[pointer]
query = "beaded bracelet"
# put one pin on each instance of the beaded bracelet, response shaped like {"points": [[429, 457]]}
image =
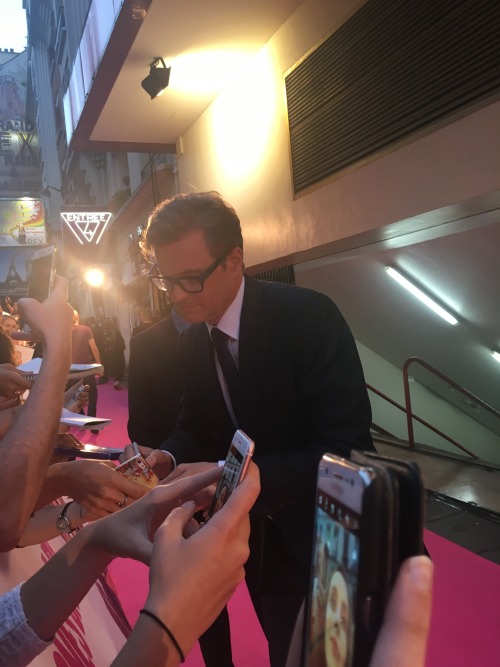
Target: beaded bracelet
{"points": [[167, 630]]}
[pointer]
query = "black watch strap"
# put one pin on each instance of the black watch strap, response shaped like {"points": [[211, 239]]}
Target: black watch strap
{"points": [[62, 522]]}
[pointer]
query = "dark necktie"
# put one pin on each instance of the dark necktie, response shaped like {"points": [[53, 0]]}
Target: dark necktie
{"points": [[228, 366]]}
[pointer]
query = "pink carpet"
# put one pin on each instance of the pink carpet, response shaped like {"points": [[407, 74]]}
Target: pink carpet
{"points": [[466, 612]]}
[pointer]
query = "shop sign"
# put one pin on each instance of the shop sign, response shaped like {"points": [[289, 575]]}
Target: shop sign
{"points": [[87, 226]]}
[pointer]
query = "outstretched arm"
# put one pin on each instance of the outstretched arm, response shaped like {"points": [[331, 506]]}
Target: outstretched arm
{"points": [[188, 593], [94, 484], [27, 447]]}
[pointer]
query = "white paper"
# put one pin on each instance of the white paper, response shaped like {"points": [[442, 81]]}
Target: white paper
{"points": [[83, 421]]}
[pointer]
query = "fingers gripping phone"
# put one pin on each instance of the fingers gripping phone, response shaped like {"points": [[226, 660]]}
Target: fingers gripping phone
{"points": [[369, 517], [72, 394], [137, 470], [235, 467], [42, 273]]}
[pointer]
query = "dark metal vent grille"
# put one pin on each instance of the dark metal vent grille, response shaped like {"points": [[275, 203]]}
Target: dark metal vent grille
{"points": [[284, 274], [395, 67]]}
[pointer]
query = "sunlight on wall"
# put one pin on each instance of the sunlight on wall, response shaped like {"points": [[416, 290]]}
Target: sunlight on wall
{"points": [[243, 118]]}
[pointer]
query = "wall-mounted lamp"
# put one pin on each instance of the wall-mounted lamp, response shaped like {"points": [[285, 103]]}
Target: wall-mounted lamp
{"points": [[430, 303], [157, 80]]}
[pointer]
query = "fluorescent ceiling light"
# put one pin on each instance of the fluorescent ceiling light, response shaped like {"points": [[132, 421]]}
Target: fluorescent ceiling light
{"points": [[496, 356], [420, 295]]}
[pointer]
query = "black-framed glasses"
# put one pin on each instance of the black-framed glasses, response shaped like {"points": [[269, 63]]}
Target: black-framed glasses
{"points": [[190, 284]]}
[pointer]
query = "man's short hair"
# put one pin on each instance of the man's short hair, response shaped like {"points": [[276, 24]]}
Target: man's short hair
{"points": [[173, 218]]}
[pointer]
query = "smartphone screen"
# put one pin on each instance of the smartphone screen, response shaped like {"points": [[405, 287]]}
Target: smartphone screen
{"points": [[334, 585], [41, 275], [235, 466], [349, 552]]}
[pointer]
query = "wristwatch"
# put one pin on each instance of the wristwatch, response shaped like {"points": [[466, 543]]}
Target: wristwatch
{"points": [[62, 522]]}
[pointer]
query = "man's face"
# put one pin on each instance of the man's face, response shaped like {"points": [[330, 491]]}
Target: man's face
{"points": [[190, 256]]}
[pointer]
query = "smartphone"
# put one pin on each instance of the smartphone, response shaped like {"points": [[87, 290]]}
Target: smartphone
{"points": [[69, 446], [235, 467], [42, 273], [71, 395], [137, 470], [357, 550]]}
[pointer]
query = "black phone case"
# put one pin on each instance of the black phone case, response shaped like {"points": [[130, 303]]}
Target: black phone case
{"points": [[391, 531], [410, 511]]}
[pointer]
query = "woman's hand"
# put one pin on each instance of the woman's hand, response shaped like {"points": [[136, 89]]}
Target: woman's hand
{"points": [[12, 384], [191, 579], [130, 532], [402, 640]]}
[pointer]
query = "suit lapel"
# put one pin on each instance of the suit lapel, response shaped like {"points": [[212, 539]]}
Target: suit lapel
{"points": [[252, 348]]}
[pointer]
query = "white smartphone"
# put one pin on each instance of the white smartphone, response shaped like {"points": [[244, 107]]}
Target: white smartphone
{"points": [[42, 273], [71, 395], [235, 467]]}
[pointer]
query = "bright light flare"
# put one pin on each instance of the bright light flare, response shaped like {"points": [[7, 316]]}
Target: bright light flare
{"points": [[243, 119], [496, 356], [421, 296], [94, 277], [205, 72]]}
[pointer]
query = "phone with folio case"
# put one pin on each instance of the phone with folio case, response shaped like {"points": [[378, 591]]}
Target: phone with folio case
{"points": [[137, 470], [369, 519]]}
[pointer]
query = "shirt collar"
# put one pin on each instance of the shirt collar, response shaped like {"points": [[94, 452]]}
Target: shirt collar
{"points": [[229, 323], [179, 323]]}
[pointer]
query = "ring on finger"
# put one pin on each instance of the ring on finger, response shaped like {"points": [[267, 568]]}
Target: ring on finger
{"points": [[123, 502]]}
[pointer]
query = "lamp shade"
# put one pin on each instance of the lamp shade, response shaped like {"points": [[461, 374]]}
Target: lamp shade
{"points": [[157, 80]]}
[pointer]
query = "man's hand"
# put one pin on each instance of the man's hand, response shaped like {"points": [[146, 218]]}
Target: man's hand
{"points": [[187, 470], [161, 462], [12, 384], [51, 320], [97, 487]]}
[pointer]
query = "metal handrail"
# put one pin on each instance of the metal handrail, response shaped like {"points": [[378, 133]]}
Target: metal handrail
{"points": [[410, 415], [450, 382]]}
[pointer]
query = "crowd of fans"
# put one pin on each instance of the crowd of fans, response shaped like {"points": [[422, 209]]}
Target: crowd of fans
{"points": [[152, 530], [193, 572]]}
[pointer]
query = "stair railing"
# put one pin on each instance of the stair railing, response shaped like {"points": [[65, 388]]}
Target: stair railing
{"points": [[406, 410], [410, 416]]}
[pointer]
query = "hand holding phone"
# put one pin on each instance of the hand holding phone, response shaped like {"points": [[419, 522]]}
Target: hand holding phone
{"points": [[235, 467], [41, 278], [71, 395], [42, 273], [137, 470], [369, 518]]}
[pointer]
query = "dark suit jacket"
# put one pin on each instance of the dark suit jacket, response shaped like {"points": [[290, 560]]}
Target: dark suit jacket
{"points": [[154, 384], [304, 394]]}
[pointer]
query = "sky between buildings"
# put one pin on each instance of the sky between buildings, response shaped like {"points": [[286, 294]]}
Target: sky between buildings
{"points": [[13, 30]]}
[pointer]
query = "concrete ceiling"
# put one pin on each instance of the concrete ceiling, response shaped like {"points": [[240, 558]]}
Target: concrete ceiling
{"points": [[205, 43]]}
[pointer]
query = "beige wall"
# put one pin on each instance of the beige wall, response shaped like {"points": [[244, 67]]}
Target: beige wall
{"points": [[240, 147]]}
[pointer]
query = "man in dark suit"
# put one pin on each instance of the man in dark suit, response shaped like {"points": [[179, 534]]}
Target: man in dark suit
{"points": [[298, 389], [154, 384]]}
